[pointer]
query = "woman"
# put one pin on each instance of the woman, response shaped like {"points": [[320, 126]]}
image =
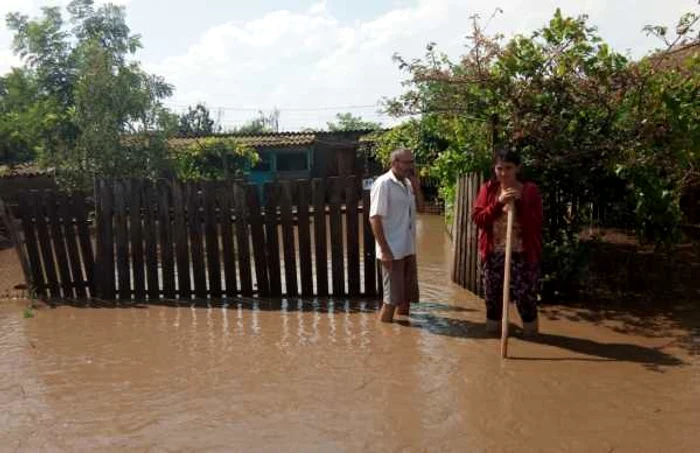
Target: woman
{"points": [[490, 215]]}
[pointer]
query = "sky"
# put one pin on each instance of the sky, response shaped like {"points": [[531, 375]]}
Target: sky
{"points": [[312, 59]]}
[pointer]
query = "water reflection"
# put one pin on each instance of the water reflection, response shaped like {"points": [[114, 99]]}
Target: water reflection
{"points": [[255, 318], [284, 315], [239, 318]]}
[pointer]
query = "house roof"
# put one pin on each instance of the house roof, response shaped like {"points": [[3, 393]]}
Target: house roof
{"points": [[27, 170], [262, 140], [675, 58], [280, 139]]}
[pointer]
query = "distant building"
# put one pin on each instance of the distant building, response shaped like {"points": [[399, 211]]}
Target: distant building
{"points": [[302, 155]]}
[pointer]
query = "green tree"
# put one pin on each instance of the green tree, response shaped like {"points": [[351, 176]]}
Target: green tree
{"points": [[213, 158], [102, 115], [197, 121], [264, 123], [20, 115], [441, 145], [594, 127], [348, 122]]}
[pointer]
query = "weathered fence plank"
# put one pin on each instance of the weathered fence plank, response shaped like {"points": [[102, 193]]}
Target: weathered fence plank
{"points": [[320, 241], [195, 224], [258, 237], [212, 240], [151, 232], [26, 213], [47, 256], [287, 220], [242, 238], [352, 223], [78, 281], [369, 249], [166, 240], [136, 236], [224, 199], [121, 241], [272, 239], [465, 236], [59, 245], [106, 232], [337, 253], [86, 252], [182, 252], [307, 281]]}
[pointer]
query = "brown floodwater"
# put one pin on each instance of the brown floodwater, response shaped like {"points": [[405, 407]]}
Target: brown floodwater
{"points": [[326, 376]]}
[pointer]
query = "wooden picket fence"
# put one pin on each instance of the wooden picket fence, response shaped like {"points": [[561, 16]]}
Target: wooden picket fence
{"points": [[54, 244], [465, 236], [174, 240]]}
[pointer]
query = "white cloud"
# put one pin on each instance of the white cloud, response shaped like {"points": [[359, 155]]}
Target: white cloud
{"points": [[311, 59], [302, 60]]}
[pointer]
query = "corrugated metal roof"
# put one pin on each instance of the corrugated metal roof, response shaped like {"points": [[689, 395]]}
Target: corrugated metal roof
{"points": [[26, 170], [283, 139], [259, 140]]}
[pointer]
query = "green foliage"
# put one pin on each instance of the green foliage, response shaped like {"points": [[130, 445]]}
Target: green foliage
{"points": [[348, 122], [592, 126], [264, 123], [416, 135], [656, 203], [197, 122], [213, 158], [662, 156], [20, 132], [444, 147], [94, 111], [565, 265], [28, 313], [29, 310]]}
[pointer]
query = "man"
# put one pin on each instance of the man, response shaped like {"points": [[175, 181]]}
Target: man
{"points": [[393, 219]]}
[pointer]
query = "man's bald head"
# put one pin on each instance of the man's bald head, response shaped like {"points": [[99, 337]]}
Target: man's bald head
{"points": [[402, 162]]}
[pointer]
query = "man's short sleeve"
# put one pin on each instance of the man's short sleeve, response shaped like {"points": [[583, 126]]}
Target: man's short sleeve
{"points": [[379, 199]]}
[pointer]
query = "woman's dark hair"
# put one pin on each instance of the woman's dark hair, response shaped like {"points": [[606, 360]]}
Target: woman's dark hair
{"points": [[507, 154]]}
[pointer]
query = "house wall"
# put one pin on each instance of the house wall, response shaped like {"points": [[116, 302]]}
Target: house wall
{"points": [[336, 159], [274, 169]]}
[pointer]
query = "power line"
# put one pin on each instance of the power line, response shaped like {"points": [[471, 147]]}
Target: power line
{"points": [[281, 109], [296, 118]]}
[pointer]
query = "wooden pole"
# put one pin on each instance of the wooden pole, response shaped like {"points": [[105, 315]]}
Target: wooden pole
{"points": [[506, 281]]}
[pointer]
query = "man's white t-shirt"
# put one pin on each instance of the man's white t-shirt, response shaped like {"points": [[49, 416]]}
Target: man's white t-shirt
{"points": [[395, 202]]}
